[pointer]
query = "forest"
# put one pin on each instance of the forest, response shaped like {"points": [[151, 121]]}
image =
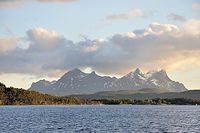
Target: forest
{"points": [[157, 101]]}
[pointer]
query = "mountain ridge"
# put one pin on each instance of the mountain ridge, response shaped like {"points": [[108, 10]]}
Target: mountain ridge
{"points": [[147, 93], [78, 82]]}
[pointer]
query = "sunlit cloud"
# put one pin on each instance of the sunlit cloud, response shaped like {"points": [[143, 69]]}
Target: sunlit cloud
{"points": [[192, 26], [196, 6], [157, 46], [7, 44]]}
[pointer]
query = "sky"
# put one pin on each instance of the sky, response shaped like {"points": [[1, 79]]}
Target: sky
{"points": [[43, 39]]}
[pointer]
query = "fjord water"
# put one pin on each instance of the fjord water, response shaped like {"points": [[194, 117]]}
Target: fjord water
{"points": [[108, 118]]}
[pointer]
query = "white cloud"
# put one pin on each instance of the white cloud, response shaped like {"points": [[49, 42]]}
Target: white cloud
{"points": [[158, 29], [16, 3], [124, 16], [157, 46], [196, 6], [130, 34], [192, 26], [42, 39]]}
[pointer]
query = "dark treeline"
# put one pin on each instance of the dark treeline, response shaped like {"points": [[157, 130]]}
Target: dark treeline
{"points": [[14, 96], [158, 101]]}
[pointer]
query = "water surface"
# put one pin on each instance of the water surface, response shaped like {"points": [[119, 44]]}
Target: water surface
{"points": [[108, 118]]}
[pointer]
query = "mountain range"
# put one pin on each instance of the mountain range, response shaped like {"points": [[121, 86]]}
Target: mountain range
{"points": [[78, 82]]}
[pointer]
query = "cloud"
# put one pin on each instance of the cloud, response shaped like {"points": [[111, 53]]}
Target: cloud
{"points": [[42, 40], [176, 17], [128, 15], [192, 26], [57, 1], [11, 3], [16, 3], [196, 6], [7, 44], [157, 46]]}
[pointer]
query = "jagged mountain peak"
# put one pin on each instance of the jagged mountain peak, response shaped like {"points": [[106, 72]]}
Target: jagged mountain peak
{"points": [[137, 74], [78, 82], [137, 71], [158, 74], [41, 85], [75, 70], [93, 73], [162, 72], [42, 81], [75, 73]]}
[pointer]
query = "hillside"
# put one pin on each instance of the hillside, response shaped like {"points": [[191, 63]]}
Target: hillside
{"points": [[14, 96], [143, 94]]}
